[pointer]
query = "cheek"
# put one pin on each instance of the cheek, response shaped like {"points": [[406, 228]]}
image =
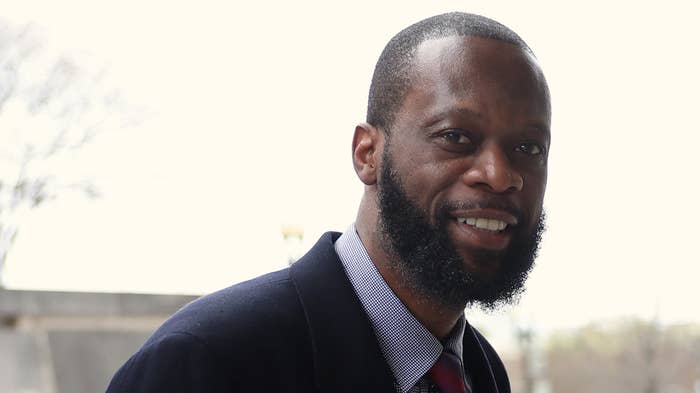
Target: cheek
{"points": [[535, 195], [535, 183], [533, 198], [435, 183], [429, 175]]}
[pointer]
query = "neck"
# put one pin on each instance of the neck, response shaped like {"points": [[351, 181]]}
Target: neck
{"points": [[437, 318]]}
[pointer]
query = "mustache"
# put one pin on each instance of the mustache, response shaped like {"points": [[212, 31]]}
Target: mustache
{"points": [[484, 203]]}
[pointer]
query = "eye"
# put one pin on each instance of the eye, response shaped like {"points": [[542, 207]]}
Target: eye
{"points": [[456, 141], [456, 137], [530, 148]]}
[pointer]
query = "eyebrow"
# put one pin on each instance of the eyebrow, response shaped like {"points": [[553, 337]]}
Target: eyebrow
{"points": [[466, 112], [541, 128], [535, 126]]}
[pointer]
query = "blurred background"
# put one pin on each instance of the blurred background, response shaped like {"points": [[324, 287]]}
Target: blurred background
{"points": [[155, 151]]}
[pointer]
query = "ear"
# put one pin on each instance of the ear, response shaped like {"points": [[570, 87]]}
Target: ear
{"points": [[367, 147]]}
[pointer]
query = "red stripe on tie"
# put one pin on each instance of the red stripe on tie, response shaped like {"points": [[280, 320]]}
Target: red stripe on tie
{"points": [[447, 373]]}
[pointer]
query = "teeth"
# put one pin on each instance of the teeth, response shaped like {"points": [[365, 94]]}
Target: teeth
{"points": [[487, 224]]}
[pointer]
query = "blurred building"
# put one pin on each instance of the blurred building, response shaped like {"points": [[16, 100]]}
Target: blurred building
{"points": [[293, 236], [67, 342]]}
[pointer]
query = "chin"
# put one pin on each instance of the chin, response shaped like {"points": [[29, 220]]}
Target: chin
{"points": [[485, 270], [484, 264]]}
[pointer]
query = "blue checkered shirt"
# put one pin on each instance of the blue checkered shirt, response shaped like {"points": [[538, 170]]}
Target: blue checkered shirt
{"points": [[408, 347]]}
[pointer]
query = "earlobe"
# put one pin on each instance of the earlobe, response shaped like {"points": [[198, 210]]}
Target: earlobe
{"points": [[366, 149]]}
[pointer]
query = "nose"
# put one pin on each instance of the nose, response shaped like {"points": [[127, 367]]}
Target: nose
{"points": [[492, 170]]}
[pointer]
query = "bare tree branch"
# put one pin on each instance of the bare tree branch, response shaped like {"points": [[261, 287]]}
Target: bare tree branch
{"points": [[49, 107]]}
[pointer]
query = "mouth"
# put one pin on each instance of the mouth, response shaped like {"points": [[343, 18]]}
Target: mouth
{"points": [[483, 229], [484, 224]]}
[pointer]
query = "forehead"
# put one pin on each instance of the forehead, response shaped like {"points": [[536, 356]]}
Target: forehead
{"points": [[481, 70]]}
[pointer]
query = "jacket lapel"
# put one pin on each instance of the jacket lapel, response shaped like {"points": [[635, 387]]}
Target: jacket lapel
{"points": [[477, 363], [347, 357]]}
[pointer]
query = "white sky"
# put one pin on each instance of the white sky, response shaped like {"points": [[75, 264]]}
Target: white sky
{"points": [[253, 112]]}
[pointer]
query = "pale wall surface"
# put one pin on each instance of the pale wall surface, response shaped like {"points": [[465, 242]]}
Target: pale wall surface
{"points": [[63, 342]]}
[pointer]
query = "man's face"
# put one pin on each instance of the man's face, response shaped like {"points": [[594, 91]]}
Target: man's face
{"points": [[464, 171]]}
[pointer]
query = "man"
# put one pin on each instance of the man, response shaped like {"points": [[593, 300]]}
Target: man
{"points": [[453, 157]]}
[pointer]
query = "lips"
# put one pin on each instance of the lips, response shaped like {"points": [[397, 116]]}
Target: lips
{"points": [[486, 224], [483, 228]]}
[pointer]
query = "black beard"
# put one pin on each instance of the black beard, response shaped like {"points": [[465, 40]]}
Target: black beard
{"points": [[426, 258]]}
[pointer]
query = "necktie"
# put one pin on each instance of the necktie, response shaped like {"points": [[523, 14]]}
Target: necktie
{"points": [[447, 373]]}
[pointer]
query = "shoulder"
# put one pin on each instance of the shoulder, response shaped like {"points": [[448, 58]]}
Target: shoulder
{"points": [[260, 308], [254, 335], [176, 362], [215, 341]]}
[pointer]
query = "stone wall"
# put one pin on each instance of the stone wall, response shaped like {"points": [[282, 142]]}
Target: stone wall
{"points": [[68, 342]]}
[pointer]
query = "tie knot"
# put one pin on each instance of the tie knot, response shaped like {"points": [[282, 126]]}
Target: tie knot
{"points": [[448, 374]]}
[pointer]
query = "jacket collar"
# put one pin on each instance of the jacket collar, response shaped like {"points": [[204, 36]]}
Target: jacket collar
{"points": [[477, 362], [347, 356]]}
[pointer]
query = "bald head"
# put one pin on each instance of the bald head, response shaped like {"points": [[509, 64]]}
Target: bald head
{"points": [[392, 74]]}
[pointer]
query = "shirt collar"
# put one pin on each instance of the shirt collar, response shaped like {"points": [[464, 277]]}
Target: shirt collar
{"points": [[408, 347]]}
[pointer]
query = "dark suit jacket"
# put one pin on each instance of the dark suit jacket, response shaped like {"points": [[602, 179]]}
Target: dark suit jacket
{"points": [[300, 329]]}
